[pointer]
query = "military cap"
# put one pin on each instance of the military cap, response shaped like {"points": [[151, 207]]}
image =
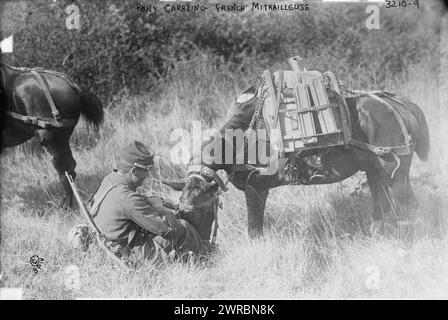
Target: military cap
{"points": [[138, 155]]}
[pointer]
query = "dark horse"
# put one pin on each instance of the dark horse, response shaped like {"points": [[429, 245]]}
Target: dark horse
{"points": [[372, 122], [47, 106]]}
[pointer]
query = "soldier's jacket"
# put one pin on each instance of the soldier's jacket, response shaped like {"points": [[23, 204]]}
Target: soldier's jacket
{"points": [[123, 211]]}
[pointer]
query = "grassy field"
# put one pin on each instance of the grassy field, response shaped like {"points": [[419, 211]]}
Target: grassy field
{"points": [[314, 244]]}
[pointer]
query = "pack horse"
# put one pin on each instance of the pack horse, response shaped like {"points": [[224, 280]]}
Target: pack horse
{"points": [[321, 133], [45, 104]]}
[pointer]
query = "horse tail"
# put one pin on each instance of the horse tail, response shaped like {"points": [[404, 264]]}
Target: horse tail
{"points": [[422, 144], [92, 108]]}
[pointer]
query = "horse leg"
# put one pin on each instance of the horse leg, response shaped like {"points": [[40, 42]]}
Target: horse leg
{"points": [[56, 143], [402, 190], [405, 198], [381, 198], [255, 202]]}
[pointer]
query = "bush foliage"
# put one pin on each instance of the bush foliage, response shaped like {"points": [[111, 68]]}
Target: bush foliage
{"points": [[119, 48]]}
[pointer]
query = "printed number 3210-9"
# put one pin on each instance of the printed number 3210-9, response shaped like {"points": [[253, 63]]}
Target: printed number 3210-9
{"points": [[403, 4]]}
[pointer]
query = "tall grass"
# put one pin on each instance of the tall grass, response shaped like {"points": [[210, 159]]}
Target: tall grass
{"points": [[314, 244]]}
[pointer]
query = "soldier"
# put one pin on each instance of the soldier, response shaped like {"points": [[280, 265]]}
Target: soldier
{"points": [[138, 227]]}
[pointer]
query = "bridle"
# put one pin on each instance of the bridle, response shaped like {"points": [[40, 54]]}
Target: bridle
{"points": [[214, 201]]}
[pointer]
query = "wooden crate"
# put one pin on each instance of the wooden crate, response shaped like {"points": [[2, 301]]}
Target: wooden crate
{"points": [[299, 113]]}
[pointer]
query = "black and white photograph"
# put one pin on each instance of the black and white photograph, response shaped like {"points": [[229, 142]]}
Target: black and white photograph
{"points": [[225, 150]]}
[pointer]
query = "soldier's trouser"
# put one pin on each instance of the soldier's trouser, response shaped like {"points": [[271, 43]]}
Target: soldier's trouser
{"points": [[185, 238], [157, 248]]}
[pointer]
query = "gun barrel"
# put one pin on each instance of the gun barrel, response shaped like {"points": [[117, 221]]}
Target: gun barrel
{"points": [[84, 210]]}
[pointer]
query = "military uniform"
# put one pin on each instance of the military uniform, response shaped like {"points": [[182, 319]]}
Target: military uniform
{"points": [[138, 227]]}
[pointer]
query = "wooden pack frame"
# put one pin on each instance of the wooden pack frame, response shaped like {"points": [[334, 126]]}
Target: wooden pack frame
{"points": [[300, 114]]}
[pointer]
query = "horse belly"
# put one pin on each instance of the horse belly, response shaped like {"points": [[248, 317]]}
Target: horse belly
{"points": [[340, 164]]}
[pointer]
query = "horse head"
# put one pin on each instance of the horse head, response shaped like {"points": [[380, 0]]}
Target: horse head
{"points": [[199, 201]]}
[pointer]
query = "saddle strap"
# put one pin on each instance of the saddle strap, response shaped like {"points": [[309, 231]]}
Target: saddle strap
{"points": [[380, 150], [42, 122], [47, 94], [404, 130]]}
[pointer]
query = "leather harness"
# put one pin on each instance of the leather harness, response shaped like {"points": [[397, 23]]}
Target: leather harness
{"points": [[403, 150], [41, 122]]}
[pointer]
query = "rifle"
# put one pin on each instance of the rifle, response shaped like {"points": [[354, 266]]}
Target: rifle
{"points": [[86, 213]]}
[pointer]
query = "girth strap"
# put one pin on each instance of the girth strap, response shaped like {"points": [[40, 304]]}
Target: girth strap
{"points": [[381, 151], [42, 122]]}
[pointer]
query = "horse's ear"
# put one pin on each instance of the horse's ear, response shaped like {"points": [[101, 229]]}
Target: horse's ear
{"points": [[247, 95], [176, 185]]}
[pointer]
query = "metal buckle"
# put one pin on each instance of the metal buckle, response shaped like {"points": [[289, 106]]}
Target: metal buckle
{"points": [[147, 168], [379, 151], [31, 120], [57, 116]]}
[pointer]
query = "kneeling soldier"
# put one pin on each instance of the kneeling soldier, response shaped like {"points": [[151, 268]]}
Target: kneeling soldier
{"points": [[138, 227]]}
